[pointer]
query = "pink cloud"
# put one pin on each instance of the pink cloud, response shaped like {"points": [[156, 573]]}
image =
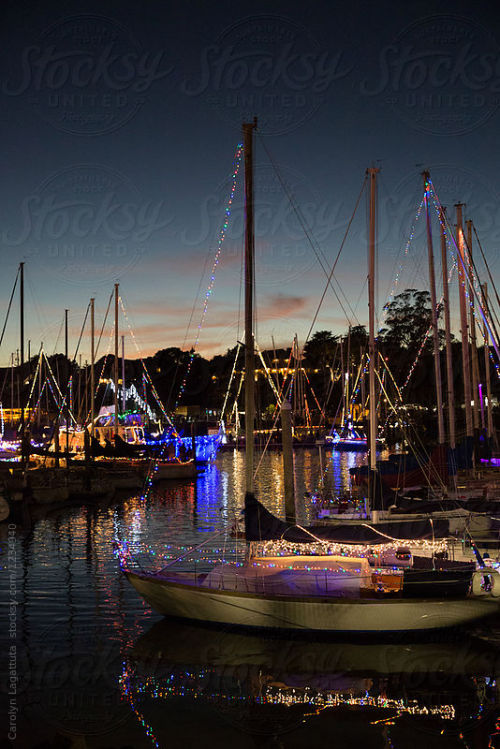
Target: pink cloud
{"points": [[282, 305]]}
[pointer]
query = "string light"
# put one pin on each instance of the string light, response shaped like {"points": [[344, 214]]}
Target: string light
{"points": [[131, 393], [146, 374], [222, 236], [266, 555], [400, 269], [125, 684], [468, 283], [204, 683]]}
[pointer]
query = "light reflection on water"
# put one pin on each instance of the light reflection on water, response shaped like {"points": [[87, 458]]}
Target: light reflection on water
{"points": [[77, 617]]}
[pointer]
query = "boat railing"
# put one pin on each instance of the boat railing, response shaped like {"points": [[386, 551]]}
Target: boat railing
{"points": [[308, 582]]}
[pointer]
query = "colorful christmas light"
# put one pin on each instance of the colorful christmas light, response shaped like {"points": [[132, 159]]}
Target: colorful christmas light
{"points": [[222, 236]]}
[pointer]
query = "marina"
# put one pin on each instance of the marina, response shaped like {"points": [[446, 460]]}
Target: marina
{"points": [[245, 548], [249, 377], [99, 664]]}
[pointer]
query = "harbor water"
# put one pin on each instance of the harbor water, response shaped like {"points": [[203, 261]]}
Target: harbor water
{"points": [[87, 663]]}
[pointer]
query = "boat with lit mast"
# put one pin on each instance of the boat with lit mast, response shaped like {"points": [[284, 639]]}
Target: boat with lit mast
{"points": [[315, 579]]}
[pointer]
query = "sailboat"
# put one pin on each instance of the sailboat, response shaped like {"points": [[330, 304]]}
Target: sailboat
{"points": [[420, 469], [348, 439], [314, 579]]}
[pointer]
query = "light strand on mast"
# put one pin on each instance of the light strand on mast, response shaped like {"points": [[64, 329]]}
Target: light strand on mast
{"points": [[222, 236]]}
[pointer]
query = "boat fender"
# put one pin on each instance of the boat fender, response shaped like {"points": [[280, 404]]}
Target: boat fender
{"points": [[486, 583], [495, 584], [477, 584]]}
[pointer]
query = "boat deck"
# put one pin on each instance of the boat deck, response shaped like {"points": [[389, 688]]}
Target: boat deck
{"points": [[355, 579]]}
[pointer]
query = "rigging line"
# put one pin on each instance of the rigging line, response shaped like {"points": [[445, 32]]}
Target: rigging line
{"points": [[283, 395], [103, 325], [36, 304], [493, 315], [271, 431], [406, 254], [406, 433], [221, 418], [488, 310], [238, 156], [128, 319], [62, 404], [196, 297], [268, 374], [486, 264], [477, 290], [58, 336], [468, 283], [8, 308], [39, 401], [309, 235], [336, 415], [427, 334], [337, 259], [193, 309], [141, 358], [70, 381], [39, 357], [354, 393], [389, 372], [323, 415], [103, 368], [396, 279], [474, 280], [491, 310], [81, 333], [332, 376], [487, 313], [361, 294]]}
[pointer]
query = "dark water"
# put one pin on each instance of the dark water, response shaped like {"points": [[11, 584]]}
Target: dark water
{"points": [[93, 666]]}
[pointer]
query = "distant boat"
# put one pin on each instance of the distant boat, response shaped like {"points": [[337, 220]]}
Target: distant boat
{"points": [[347, 439]]}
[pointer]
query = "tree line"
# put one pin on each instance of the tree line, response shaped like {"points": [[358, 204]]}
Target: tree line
{"points": [[185, 378]]}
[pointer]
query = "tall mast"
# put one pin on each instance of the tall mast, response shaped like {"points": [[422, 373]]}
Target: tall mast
{"points": [[67, 379], [40, 367], [116, 359], [248, 129], [124, 395], [372, 174], [447, 330], [348, 376], [469, 428], [66, 335], [472, 317], [21, 269], [434, 316], [12, 389], [489, 419], [92, 365], [342, 370]]}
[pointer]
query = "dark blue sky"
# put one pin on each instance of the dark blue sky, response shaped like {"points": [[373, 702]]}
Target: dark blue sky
{"points": [[119, 125]]}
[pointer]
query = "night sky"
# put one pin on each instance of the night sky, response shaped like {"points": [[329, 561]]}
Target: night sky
{"points": [[119, 126]]}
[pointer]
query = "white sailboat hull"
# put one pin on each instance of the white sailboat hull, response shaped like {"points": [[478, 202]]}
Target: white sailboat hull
{"points": [[174, 598]]}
